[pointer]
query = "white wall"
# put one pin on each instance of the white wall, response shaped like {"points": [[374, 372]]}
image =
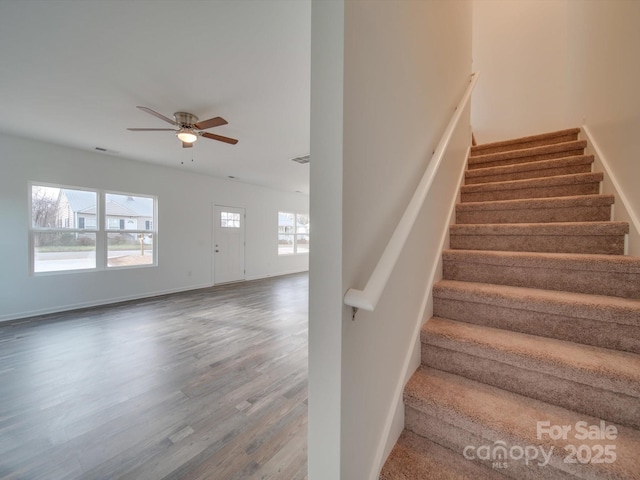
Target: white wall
{"points": [[548, 65], [605, 97], [520, 47], [376, 119], [325, 263], [184, 221]]}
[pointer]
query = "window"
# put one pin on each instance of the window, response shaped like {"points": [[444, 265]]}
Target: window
{"points": [[229, 220], [130, 239], [60, 236], [293, 233], [80, 229]]}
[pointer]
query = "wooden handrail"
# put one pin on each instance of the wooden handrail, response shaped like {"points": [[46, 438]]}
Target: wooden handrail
{"points": [[367, 299]]}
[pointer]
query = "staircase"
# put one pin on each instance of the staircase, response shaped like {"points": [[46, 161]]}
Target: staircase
{"points": [[531, 363]]}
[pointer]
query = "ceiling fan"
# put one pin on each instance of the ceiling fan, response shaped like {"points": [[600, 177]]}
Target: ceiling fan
{"points": [[188, 127]]}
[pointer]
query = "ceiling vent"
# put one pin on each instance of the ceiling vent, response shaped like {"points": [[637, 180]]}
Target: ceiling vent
{"points": [[302, 160], [105, 150]]}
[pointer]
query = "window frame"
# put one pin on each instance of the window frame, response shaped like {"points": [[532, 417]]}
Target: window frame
{"points": [[101, 230], [123, 230]]}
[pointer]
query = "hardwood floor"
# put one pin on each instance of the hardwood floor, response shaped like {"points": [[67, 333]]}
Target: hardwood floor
{"points": [[207, 384]]}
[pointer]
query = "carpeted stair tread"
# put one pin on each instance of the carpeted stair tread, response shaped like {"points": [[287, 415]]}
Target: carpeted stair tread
{"points": [[556, 186], [612, 275], [601, 321], [569, 237], [549, 138], [543, 152], [414, 457], [520, 171], [602, 308], [470, 410], [578, 208], [598, 367]]}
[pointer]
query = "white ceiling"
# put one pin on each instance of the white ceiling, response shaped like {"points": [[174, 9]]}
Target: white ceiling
{"points": [[73, 71]]}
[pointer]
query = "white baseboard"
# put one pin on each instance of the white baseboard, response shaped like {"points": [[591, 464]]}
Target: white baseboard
{"points": [[96, 303], [276, 274], [623, 210]]}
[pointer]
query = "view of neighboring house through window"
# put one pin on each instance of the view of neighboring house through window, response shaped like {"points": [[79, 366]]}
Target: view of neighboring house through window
{"points": [[77, 229], [129, 234], [293, 233]]}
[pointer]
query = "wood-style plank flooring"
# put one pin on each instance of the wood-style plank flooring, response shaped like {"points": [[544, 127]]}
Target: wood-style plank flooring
{"points": [[207, 384]]}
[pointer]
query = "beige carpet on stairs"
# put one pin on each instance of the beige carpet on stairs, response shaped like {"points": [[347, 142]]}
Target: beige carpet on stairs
{"points": [[531, 364]]}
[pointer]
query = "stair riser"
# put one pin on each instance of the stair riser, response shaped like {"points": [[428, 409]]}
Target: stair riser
{"points": [[535, 215], [594, 244], [547, 172], [617, 284], [520, 145], [477, 162], [591, 188], [519, 319], [598, 402], [439, 427]]}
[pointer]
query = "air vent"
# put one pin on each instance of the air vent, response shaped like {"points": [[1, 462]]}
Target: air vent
{"points": [[106, 150], [302, 160]]}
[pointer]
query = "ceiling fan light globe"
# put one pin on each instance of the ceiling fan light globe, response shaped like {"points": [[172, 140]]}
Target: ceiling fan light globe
{"points": [[187, 136]]}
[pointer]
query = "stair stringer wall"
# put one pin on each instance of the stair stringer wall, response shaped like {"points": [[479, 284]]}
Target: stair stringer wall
{"points": [[395, 421], [623, 211]]}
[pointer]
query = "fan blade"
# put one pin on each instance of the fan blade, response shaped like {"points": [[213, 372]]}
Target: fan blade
{"points": [[151, 129], [156, 114], [220, 138], [212, 122], [187, 145]]}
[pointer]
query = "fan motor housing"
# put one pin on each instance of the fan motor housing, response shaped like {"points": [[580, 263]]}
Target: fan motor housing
{"points": [[184, 118]]}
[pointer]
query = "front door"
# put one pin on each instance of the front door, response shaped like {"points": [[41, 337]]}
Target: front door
{"points": [[228, 244]]}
